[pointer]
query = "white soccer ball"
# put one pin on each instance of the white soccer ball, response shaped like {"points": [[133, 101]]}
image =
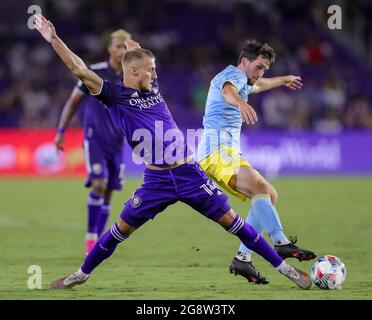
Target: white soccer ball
{"points": [[328, 272]]}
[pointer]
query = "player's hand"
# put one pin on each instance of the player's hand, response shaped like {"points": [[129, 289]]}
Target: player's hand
{"points": [[45, 27], [249, 116], [59, 141], [292, 82], [131, 44]]}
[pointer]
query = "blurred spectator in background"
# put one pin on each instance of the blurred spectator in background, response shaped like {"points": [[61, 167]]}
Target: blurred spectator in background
{"points": [[333, 105], [359, 113], [194, 49], [313, 51], [277, 107], [200, 86]]}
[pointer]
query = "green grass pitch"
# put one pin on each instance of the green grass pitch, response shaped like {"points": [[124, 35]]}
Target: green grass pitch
{"points": [[180, 254]]}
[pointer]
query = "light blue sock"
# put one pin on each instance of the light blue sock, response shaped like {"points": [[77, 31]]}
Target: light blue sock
{"points": [[245, 253], [266, 213], [263, 216]]}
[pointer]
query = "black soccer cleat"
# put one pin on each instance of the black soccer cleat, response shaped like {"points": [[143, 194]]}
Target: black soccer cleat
{"points": [[247, 270], [290, 250]]}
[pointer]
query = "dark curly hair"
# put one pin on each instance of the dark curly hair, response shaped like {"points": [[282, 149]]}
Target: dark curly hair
{"points": [[253, 48]]}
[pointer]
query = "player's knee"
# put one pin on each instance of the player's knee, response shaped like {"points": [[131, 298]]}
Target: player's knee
{"points": [[125, 228], [227, 219], [261, 187], [274, 196], [99, 187]]}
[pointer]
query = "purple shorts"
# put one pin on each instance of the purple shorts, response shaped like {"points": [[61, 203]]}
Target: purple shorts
{"points": [[101, 165], [161, 188]]}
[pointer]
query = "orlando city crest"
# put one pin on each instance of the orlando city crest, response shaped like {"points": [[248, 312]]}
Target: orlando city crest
{"points": [[135, 202]]}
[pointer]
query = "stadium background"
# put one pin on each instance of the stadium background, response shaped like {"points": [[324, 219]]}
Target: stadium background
{"points": [[323, 130]]}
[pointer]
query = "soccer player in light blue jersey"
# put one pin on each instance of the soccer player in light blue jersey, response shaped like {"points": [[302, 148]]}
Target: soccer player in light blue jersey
{"points": [[219, 152]]}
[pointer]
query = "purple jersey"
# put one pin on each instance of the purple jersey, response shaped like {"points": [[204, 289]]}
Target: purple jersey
{"points": [[145, 119], [98, 124]]}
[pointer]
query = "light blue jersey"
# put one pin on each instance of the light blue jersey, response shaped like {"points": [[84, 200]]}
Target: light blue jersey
{"points": [[222, 121]]}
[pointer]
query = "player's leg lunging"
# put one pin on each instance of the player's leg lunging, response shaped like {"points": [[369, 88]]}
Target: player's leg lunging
{"points": [[263, 215], [102, 250], [234, 224], [106, 245]]}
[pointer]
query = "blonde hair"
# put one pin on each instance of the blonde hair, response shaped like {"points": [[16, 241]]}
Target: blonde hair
{"points": [[120, 33], [136, 54]]}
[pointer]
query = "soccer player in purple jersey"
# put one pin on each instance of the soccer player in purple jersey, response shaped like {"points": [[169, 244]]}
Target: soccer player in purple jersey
{"points": [[138, 109], [103, 144]]}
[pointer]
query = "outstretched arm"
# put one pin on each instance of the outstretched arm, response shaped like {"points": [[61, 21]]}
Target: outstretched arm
{"points": [[263, 84], [91, 80]]}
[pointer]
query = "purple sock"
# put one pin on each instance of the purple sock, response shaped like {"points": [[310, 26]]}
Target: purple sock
{"points": [[94, 205], [103, 249], [254, 241], [102, 218]]}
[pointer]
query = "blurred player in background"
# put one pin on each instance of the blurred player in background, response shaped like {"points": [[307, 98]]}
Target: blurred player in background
{"points": [[219, 152], [136, 104], [103, 143]]}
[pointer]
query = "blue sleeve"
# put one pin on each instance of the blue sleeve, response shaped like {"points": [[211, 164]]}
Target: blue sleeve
{"points": [[249, 90], [108, 94], [238, 80]]}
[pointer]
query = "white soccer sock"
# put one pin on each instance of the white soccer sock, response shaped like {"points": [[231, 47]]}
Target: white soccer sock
{"points": [[284, 267], [91, 236], [82, 274], [281, 242], [244, 256]]}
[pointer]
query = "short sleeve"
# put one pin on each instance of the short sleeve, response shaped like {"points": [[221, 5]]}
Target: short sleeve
{"points": [[237, 79], [250, 88], [108, 94]]}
